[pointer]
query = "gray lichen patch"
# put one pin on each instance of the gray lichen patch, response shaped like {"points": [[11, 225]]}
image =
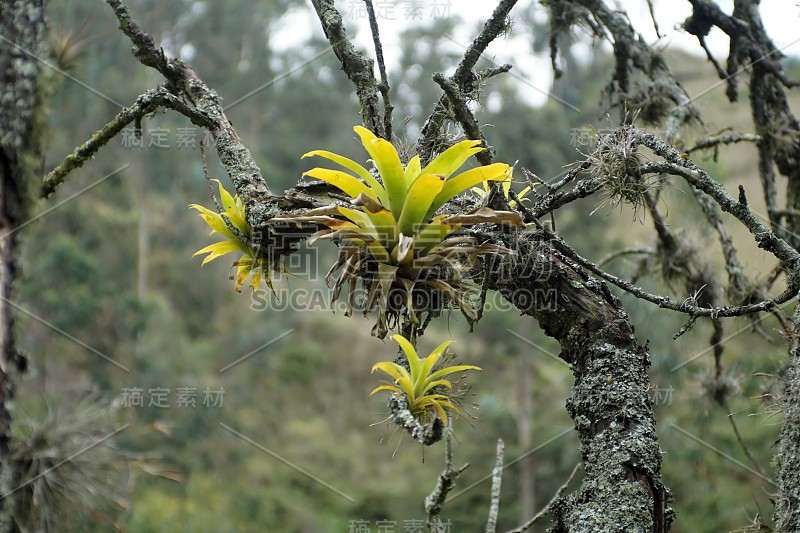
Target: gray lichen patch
{"points": [[610, 405], [787, 461]]}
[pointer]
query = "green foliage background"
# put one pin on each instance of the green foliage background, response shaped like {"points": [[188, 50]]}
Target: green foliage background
{"points": [[113, 268]]}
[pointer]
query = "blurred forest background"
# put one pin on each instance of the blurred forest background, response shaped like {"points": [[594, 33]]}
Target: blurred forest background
{"points": [[112, 270]]}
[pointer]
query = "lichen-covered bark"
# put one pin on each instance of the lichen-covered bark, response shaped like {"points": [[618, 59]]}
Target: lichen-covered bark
{"points": [[21, 23], [359, 69], [787, 461], [610, 404]]}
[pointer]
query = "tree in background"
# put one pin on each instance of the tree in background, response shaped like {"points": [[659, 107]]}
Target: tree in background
{"points": [[20, 164]]}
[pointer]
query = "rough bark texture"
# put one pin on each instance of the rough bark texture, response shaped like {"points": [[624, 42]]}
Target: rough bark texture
{"points": [[787, 461], [359, 69], [21, 22], [610, 404]]}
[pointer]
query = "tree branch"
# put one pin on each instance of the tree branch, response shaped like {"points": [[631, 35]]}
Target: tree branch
{"points": [[462, 113], [497, 480], [445, 483], [622, 490], [183, 82], [632, 51], [359, 69], [383, 86], [725, 138], [676, 165], [463, 78], [144, 105]]}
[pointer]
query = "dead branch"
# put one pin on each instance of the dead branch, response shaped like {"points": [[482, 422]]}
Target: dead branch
{"points": [[445, 483]]}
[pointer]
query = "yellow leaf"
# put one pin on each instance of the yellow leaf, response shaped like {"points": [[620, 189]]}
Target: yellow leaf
{"points": [[438, 382], [411, 353], [350, 185], [219, 249], [451, 159], [354, 167], [453, 369], [215, 221], [420, 197], [390, 388], [432, 234], [413, 169], [393, 369], [232, 210], [242, 271], [386, 160], [470, 178], [433, 357]]}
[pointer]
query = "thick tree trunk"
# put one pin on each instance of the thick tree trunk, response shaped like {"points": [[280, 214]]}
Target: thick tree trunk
{"points": [[21, 23], [610, 404], [787, 462]]}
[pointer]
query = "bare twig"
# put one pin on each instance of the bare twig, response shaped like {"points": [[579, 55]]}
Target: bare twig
{"points": [[653, 17], [144, 48], [725, 138], [491, 72], [383, 86], [737, 282], [720, 71], [571, 175], [445, 483], [551, 202], [664, 301], [742, 443], [144, 105], [686, 327], [784, 213], [623, 252], [462, 113], [497, 480], [678, 166]]}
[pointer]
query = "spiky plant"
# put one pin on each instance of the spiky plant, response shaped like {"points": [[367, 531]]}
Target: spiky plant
{"points": [[230, 222], [68, 465], [615, 162], [422, 384], [392, 240]]}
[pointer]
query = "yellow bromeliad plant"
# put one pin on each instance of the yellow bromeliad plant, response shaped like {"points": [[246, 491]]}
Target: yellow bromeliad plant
{"points": [[231, 223], [424, 389], [391, 240]]}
